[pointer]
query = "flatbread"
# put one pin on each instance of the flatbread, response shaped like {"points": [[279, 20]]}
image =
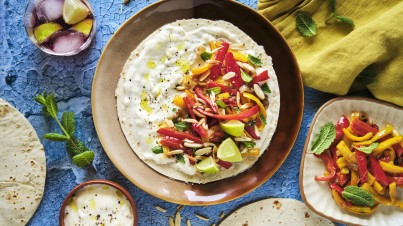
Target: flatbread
{"points": [[137, 126], [274, 211], [22, 167]]}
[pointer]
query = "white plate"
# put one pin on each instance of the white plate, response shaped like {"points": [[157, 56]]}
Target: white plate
{"points": [[317, 195]]}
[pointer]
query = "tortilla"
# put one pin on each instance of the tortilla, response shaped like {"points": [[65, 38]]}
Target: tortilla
{"points": [[274, 211], [147, 86], [22, 167]]}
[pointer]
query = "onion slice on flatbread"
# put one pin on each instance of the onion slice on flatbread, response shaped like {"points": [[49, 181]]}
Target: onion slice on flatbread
{"points": [[22, 167]]}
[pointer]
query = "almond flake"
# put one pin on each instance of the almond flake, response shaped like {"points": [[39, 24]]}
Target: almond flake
{"points": [[203, 151], [190, 120], [258, 91], [192, 145], [228, 75], [243, 139]]}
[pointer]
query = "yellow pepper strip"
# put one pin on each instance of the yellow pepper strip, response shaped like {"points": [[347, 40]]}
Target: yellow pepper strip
{"points": [[345, 151], [261, 107], [387, 144], [390, 153], [378, 187], [212, 45], [253, 152], [178, 101], [190, 94], [222, 96], [356, 138], [341, 162], [355, 178], [344, 171], [239, 56], [354, 209], [392, 192], [390, 168], [200, 70], [383, 133], [370, 178], [165, 150], [381, 199]]}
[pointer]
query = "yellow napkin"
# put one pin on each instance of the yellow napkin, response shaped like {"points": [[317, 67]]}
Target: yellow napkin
{"points": [[332, 59]]}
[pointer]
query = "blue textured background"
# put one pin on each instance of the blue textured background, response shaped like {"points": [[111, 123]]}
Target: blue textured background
{"points": [[71, 78]]}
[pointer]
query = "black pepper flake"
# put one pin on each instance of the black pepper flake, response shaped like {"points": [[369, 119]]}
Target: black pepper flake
{"points": [[98, 216]]}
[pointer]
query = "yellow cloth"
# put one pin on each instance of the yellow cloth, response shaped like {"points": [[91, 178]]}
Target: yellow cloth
{"points": [[332, 59]]}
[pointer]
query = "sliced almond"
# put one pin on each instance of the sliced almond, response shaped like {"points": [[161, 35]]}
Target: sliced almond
{"points": [[193, 145], [203, 151], [190, 120], [242, 139], [246, 106], [204, 75], [244, 88], [257, 132], [228, 75], [198, 113], [246, 66], [208, 144], [189, 141], [258, 91], [175, 152]]}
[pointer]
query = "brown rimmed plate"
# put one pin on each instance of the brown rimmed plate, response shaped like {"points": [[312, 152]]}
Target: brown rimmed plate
{"points": [[317, 195], [106, 77]]}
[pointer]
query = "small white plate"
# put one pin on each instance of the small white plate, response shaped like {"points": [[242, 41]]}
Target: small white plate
{"points": [[317, 195]]}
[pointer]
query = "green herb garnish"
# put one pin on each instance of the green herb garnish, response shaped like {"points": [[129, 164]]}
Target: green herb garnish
{"points": [[367, 149], [334, 15], [248, 144], [265, 88], [221, 104], [81, 155], [263, 119], [180, 158], [174, 109], [324, 139], [216, 90], [181, 126], [245, 77], [237, 110], [358, 196], [254, 60], [305, 24], [157, 150], [206, 56]]}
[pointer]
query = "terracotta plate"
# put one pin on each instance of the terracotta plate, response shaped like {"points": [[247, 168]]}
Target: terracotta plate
{"points": [[317, 195], [125, 40]]}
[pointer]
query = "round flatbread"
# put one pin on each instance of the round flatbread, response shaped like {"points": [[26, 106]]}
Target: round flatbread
{"points": [[148, 84], [275, 211], [22, 167]]}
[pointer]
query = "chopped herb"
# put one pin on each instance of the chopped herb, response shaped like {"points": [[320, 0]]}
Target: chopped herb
{"points": [[324, 139], [248, 144], [216, 90], [174, 109], [181, 126], [237, 110], [206, 56], [221, 104], [263, 119], [265, 88], [157, 149], [180, 158], [367, 149], [250, 123], [245, 77], [254, 60]]}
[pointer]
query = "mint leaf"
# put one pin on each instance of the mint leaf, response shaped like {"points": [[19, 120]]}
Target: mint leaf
{"points": [[157, 150], [245, 77], [248, 144], [263, 119], [68, 122], [216, 90], [181, 126], [346, 20], [75, 146], [358, 196], [55, 137], [324, 139], [221, 104], [265, 88], [83, 159], [206, 56], [305, 24], [254, 60], [367, 149]]}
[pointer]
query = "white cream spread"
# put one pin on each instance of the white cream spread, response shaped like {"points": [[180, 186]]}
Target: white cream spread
{"points": [[98, 204]]}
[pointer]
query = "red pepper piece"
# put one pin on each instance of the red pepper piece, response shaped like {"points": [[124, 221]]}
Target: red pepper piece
{"points": [[231, 65], [200, 130], [362, 165], [330, 167], [189, 102], [263, 76], [224, 164], [245, 114], [199, 93], [343, 123], [398, 180], [178, 134], [172, 143], [333, 151], [398, 149], [230, 102], [224, 88], [377, 171], [342, 178], [336, 187], [218, 136], [361, 128], [215, 69], [251, 130]]}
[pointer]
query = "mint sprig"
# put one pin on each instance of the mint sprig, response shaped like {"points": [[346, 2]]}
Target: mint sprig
{"points": [[367, 149], [335, 16], [81, 155], [324, 139], [358, 196]]}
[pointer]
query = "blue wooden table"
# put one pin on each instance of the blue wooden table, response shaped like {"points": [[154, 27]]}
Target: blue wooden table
{"points": [[25, 71]]}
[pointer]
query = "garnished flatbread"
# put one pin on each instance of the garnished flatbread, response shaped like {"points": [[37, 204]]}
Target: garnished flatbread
{"points": [[22, 167]]}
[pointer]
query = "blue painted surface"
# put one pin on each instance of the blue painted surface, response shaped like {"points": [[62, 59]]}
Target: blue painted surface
{"points": [[30, 71]]}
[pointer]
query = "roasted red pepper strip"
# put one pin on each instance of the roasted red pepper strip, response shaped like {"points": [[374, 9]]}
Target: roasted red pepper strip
{"points": [[199, 93], [362, 165], [200, 130], [230, 102], [377, 171], [172, 143], [343, 123], [361, 128], [178, 134], [398, 149], [218, 136], [336, 187], [398, 180], [333, 151], [231, 65], [224, 164], [224, 88], [215, 69], [342, 178], [251, 130], [330, 167], [245, 114], [263, 76], [189, 102]]}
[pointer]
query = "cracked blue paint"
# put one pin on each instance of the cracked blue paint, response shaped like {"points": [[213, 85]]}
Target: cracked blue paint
{"points": [[71, 78]]}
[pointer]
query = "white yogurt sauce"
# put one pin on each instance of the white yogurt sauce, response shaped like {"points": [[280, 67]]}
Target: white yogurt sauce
{"points": [[98, 205], [149, 83]]}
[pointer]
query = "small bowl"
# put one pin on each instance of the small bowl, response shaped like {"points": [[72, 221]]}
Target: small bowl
{"points": [[98, 182]]}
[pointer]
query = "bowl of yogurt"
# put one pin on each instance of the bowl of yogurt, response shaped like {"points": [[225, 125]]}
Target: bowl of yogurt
{"points": [[98, 202]]}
